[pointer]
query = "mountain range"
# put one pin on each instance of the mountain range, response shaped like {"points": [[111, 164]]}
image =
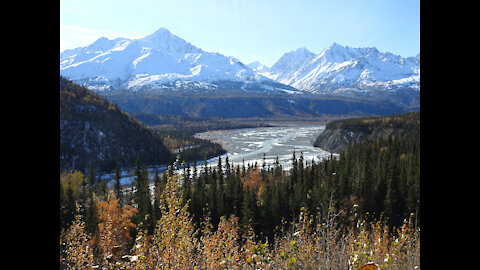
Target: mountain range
{"points": [[338, 69], [126, 71], [162, 62]]}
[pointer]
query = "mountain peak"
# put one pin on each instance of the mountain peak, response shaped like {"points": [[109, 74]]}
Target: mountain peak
{"points": [[344, 67], [337, 53], [101, 44], [161, 61], [163, 40], [336, 46], [289, 63], [162, 31], [303, 50]]}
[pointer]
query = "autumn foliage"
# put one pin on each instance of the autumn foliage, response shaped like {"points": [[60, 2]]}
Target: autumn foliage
{"points": [[176, 244], [115, 228]]}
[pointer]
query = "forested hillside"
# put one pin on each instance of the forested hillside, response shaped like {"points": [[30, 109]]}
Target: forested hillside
{"points": [[250, 105], [340, 213], [93, 129], [338, 134]]}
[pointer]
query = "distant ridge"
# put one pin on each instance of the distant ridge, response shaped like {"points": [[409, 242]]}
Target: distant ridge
{"points": [[339, 70]]}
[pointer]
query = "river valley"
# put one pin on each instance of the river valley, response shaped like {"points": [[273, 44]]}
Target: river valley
{"points": [[249, 145]]}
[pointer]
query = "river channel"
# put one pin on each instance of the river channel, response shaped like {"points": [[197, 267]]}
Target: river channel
{"points": [[249, 145]]}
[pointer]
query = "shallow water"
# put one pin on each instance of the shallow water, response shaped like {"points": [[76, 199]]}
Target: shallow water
{"points": [[250, 144]]}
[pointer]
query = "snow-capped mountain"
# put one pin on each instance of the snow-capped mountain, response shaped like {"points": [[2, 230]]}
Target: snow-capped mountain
{"points": [[160, 61], [288, 64], [345, 70], [258, 67]]}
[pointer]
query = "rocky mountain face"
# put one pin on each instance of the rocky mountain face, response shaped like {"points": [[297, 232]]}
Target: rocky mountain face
{"points": [[338, 134], [160, 62], [162, 71], [340, 70]]}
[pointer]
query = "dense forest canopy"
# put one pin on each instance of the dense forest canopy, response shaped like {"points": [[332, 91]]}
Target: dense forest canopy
{"points": [[338, 134], [405, 121], [370, 192]]}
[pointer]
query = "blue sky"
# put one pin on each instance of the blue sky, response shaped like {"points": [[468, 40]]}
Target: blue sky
{"points": [[250, 30]]}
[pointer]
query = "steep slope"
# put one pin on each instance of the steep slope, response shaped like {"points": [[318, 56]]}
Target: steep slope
{"points": [[161, 62], [285, 68], [340, 70], [258, 67], [94, 130], [338, 134], [248, 106]]}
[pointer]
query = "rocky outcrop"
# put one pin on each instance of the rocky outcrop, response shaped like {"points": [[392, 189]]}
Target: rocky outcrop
{"points": [[333, 141], [338, 134]]}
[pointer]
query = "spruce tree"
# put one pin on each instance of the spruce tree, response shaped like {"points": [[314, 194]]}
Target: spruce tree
{"points": [[117, 187], [142, 195], [186, 186], [248, 209], [158, 189], [212, 198], [91, 219]]}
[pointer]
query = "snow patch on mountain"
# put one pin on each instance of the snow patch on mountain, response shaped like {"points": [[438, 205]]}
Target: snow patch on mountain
{"points": [[338, 68], [160, 60], [258, 67], [284, 69]]}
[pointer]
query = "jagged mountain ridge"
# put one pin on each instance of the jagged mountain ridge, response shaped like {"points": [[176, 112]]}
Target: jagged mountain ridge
{"points": [[163, 67], [339, 70], [160, 61]]}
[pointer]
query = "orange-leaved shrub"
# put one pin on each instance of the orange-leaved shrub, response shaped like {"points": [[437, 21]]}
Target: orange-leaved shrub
{"points": [[307, 243]]}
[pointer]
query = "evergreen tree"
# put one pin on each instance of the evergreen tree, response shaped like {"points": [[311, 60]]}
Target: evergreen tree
{"points": [[158, 189], [67, 206], [187, 185], [142, 194], [220, 193], [197, 196], [91, 219], [212, 198], [101, 188], [219, 169], [117, 187], [248, 215], [278, 169]]}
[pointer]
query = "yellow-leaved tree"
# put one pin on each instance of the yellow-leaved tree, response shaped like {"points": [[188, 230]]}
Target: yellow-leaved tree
{"points": [[115, 228], [174, 243]]}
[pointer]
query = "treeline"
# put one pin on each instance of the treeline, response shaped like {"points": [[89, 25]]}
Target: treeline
{"points": [[399, 122], [376, 178], [125, 239], [177, 133], [194, 124]]}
